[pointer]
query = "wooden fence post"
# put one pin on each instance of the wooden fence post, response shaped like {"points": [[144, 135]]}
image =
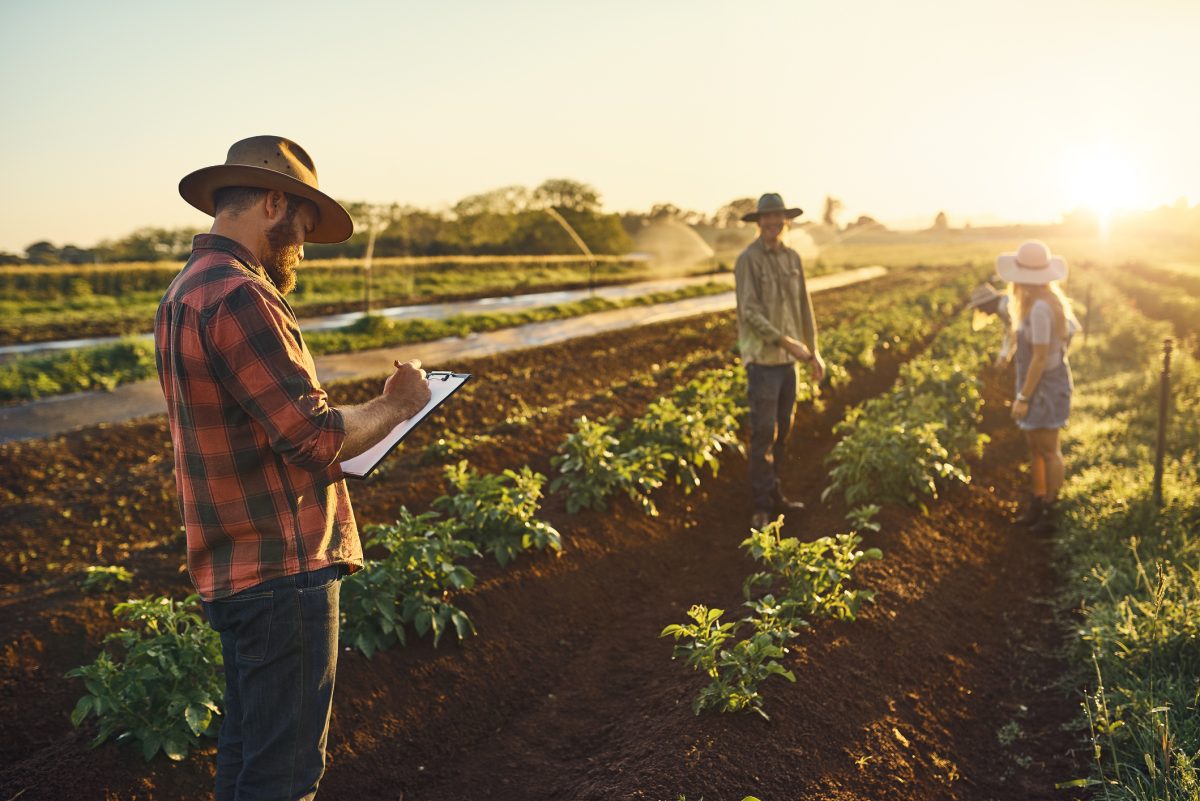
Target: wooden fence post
{"points": [[1164, 394]]}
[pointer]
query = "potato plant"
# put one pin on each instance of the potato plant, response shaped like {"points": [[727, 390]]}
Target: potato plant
{"points": [[498, 511], [888, 460], [593, 466], [680, 435], [810, 581], [408, 587], [734, 672], [164, 694], [808, 577], [105, 578]]}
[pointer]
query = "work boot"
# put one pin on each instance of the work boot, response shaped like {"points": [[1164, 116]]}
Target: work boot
{"points": [[760, 519], [1047, 523], [784, 505], [1032, 513]]}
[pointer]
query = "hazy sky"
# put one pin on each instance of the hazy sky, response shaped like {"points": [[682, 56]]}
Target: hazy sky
{"points": [[1014, 109]]}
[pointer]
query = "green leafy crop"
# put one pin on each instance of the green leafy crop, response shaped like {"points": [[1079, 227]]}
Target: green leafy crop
{"points": [[164, 694], [498, 511], [408, 587]]}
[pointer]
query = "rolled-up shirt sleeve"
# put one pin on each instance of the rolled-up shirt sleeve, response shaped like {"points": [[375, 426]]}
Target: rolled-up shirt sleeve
{"points": [[749, 301], [256, 351]]}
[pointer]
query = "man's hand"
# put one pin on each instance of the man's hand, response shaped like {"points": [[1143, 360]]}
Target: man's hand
{"points": [[818, 368], [795, 347], [802, 354], [407, 388]]}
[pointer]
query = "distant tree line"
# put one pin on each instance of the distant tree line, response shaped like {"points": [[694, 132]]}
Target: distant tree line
{"points": [[512, 220]]}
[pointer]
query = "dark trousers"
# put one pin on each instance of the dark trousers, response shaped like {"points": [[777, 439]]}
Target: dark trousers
{"points": [[772, 405], [280, 644]]}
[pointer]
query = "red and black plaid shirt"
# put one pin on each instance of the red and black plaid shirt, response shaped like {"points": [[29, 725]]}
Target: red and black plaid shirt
{"points": [[256, 442]]}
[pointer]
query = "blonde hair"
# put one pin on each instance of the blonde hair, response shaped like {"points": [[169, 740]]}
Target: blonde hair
{"points": [[1024, 295]]}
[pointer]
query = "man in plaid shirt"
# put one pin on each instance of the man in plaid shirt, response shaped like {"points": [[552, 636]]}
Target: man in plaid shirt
{"points": [[270, 531]]}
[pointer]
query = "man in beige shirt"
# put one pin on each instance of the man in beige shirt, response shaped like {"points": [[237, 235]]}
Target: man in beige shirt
{"points": [[776, 329]]}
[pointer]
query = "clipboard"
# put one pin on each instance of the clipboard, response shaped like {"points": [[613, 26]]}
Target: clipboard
{"points": [[442, 384]]}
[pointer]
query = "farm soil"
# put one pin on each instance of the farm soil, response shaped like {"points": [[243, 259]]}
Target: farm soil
{"points": [[946, 687]]}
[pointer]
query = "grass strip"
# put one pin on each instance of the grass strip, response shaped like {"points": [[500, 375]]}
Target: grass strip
{"points": [[1133, 570], [105, 367]]}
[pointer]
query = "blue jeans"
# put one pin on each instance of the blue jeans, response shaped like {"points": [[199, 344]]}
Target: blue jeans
{"points": [[772, 390], [280, 644]]}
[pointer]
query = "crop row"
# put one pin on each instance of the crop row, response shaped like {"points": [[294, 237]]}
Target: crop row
{"points": [[898, 446], [685, 432], [58, 282], [1161, 296], [893, 448], [165, 693]]}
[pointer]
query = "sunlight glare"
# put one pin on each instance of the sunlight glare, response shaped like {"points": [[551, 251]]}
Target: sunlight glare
{"points": [[1104, 181]]}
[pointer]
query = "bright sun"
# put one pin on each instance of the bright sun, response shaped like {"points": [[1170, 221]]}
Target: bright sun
{"points": [[1103, 180]]}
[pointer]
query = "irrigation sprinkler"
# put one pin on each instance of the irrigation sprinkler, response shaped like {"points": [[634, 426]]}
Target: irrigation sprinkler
{"points": [[377, 218], [367, 269], [553, 212], [1164, 394]]}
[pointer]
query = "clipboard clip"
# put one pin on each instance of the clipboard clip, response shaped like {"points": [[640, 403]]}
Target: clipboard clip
{"points": [[439, 375]]}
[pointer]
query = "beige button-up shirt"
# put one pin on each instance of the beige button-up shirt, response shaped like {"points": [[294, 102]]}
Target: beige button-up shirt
{"points": [[772, 301]]}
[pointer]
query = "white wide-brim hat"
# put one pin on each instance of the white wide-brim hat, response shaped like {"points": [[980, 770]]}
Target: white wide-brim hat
{"points": [[1031, 264]]}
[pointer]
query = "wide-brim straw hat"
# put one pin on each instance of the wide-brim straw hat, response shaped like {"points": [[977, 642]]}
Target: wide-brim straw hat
{"points": [[270, 162], [768, 203], [1031, 264]]}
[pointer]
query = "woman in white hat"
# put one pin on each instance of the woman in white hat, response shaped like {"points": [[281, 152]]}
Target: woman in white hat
{"points": [[1044, 323]]}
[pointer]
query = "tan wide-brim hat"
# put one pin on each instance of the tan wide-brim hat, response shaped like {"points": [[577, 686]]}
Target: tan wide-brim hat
{"points": [[1031, 264], [983, 294], [270, 162], [770, 202]]}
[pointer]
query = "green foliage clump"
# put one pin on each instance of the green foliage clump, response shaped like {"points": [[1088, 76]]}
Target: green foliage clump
{"points": [[410, 586], [809, 577], [105, 578], [680, 435], [81, 370], [498, 511], [808, 580], [734, 672], [592, 466], [165, 694], [898, 446]]}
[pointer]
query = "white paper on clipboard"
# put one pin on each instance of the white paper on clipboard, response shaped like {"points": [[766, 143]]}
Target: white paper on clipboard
{"points": [[441, 386]]}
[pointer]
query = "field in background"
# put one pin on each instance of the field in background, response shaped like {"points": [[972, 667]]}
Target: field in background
{"points": [[39, 304], [952, 683]]}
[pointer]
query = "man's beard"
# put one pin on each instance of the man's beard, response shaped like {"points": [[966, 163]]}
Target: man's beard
{"points": [[283, 257]]}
